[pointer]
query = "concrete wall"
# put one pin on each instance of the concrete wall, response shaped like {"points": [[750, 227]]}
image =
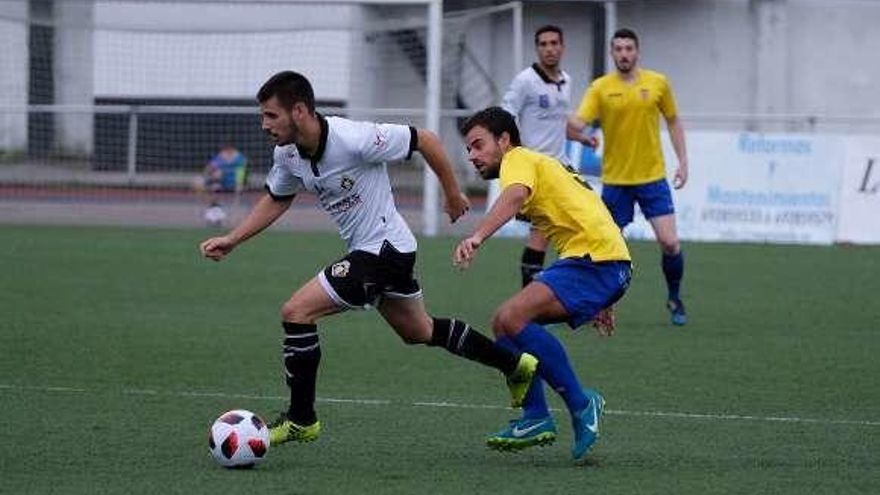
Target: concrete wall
{"points": [[763, 56], [834, 63], [13, 77], [723, 56], [705, 48], [199, 50], [74, 76]]}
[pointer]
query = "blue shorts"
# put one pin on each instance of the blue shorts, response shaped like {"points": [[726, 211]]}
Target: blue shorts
{"points": [[654, 198], [584, 288]]}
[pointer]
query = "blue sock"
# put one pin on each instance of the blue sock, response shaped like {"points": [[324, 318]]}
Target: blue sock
{"points": [[535, 403], [554, 366], [673, 269]]}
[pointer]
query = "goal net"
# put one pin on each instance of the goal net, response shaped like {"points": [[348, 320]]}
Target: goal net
{"points": [[110, 110]]}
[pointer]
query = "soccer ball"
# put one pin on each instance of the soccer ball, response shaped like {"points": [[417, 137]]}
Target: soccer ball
{"points": [[215, 216], [239, 438]]}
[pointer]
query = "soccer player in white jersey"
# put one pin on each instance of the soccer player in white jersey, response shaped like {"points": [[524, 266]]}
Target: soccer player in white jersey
{"points": [[343, 163], [539, 98]]}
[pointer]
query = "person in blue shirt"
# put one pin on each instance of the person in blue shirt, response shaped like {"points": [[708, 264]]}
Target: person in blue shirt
{"points": [[225, 172]]}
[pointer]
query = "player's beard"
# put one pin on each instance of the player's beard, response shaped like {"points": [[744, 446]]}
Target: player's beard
{"points": [[290, 138], [490, 172], [625, 67]]}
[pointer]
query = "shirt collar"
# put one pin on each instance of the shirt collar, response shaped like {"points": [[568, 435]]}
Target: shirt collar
{"points": [[322, 142], [544, 77]]}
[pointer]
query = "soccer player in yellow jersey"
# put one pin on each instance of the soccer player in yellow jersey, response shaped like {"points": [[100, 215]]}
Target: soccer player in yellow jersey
{"points": [[591, 274], [628, 104]]}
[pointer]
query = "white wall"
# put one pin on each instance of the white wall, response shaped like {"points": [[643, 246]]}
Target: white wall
{"points": [[763, 56], [833, 53], [203, 50], [13, 77], [74, 77]]}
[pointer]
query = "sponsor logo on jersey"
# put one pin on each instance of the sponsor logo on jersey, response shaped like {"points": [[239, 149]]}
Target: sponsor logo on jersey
{"points": [[346, 183], [544, 101], [345, 204]]}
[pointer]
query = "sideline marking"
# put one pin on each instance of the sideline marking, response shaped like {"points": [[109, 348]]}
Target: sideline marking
{"points": [[453, 405]]}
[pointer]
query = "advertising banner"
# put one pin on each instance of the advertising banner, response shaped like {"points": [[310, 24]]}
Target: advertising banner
{"points": [[775, 188], [780, 188], [859, 211]]}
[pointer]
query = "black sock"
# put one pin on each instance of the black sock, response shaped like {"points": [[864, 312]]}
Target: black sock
{"points": [[531, 263], [673, 270], [302, 354], [460, 339]]}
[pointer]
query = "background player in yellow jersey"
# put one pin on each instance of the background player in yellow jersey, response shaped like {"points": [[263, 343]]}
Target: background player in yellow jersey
{"points": [[628, 104], [592, 272]]}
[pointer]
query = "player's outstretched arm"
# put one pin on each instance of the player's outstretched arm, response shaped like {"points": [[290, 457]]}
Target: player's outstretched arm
{"points": [[574, 126], [505, 207], [456, 203], [676, 135], [263, 214]]}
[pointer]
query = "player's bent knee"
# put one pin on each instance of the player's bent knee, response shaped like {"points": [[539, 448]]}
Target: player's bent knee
{"points": [[293, 313], [504, 322]]}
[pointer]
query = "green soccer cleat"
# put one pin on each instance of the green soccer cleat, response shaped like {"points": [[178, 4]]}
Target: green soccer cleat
{"points": [[523, 433], [284, 430], [519, 381]]}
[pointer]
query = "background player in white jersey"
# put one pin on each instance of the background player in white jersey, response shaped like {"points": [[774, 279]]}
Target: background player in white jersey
{"points": [[539, 98], [344, 163]]}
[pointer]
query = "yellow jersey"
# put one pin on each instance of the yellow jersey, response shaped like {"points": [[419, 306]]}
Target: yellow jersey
{"points": [[629, 114], [563, 207]]}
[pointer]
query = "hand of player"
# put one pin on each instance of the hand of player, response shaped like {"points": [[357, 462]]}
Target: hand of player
{"points": [[591, 141], [605, 322], [465, 252], [680, 178], [216, 248], [456, 206]]}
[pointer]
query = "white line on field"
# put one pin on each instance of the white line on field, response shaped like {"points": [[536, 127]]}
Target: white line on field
{"points": [[453, 405]]}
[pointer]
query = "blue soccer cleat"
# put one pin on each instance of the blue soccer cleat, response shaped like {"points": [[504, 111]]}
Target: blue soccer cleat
{"points": [[585, 424], [677, 314], [524, 433]]}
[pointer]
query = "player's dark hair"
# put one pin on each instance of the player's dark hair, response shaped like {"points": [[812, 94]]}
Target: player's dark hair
{"points": [[496, 120], [549, 28], [626, 33], [290, 88]]}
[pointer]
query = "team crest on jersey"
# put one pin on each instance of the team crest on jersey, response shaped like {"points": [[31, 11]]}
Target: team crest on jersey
{"points": [[340, 269], [645, 93], [544, 101], [346, 183]]}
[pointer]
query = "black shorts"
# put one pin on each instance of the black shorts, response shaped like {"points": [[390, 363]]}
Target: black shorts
{"points": [[360, 278]]}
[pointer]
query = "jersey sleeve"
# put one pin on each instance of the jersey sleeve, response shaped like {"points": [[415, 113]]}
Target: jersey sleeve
{"points": [[667, 100], [589, 109], [386, 142], [516, 168], [280, 183], [515, 97]]}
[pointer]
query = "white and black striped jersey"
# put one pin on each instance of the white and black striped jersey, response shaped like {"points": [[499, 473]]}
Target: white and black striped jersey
{"points": [[541, 107], [348, 175]]}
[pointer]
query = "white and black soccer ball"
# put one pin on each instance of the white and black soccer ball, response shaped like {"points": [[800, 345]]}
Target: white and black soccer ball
{"points": [[239, 438], [215, 216]]}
